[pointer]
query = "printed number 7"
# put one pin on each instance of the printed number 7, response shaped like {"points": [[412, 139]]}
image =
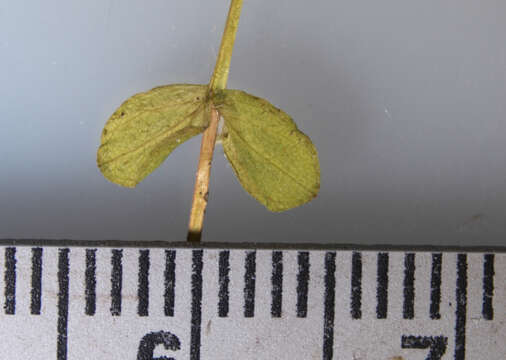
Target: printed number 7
{"points": [[437, 345]]}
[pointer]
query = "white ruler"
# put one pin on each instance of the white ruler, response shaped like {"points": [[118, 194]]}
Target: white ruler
{"points": [[101, 302]]}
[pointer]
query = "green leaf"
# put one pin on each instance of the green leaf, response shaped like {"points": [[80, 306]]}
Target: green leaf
{"points": [[145, 129], [274, 161]]}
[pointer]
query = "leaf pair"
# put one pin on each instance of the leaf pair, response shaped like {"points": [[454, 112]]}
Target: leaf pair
{"points": [[275, 162]]}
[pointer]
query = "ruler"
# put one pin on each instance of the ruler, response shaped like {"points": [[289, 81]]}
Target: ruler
{"points": [[118, 301]]}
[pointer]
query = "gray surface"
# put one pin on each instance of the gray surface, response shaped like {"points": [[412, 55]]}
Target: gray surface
{"points": [[405, 101]]}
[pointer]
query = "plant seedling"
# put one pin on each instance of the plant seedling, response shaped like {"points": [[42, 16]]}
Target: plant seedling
{"points": [[275, 162]]}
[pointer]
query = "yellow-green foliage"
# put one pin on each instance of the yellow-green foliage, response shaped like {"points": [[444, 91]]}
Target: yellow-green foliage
{"points": [[275, 162], [145, 129]]}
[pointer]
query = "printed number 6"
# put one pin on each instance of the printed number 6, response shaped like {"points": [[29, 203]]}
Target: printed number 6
{"points": [[153, 339]]}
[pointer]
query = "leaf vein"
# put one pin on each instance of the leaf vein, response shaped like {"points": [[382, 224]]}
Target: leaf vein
{"points": [[268, 159], [154, 139]]}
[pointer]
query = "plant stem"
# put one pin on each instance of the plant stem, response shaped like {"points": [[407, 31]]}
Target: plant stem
{"points": [[218, 82], [221, 69], [201, 191]]}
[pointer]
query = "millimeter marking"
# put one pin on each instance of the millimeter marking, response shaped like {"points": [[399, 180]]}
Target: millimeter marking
{"points": [[488, 287], [116, 281], [277, 284], [409, 286], [36, 290], [63, 302], [169, 282], [461, 296], [435, 286], [382, 287], [332, 272], [91, 282], [330, 300], [10, 281], [302, 283], [143, 289], [356, 285], [223, 295], [196, 315], [249, 284]]}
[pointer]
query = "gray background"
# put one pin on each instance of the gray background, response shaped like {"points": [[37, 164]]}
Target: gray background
{"points": [[405, 101]]}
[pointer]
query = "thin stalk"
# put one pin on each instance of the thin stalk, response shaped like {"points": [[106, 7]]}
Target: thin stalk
{"points": [[218, 81]]}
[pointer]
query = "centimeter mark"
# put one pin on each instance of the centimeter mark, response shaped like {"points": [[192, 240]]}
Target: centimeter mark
{"points": [[63, 303], [196, 316], [330, 300], [143, 289], [303, 277], [169, 282], [460, 313]]}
